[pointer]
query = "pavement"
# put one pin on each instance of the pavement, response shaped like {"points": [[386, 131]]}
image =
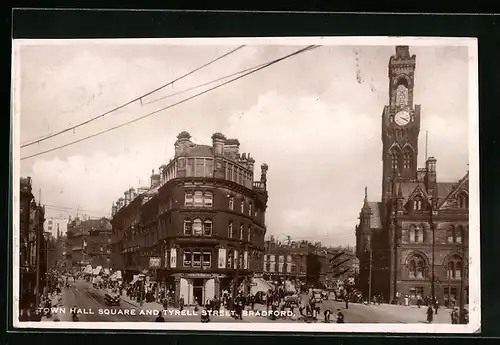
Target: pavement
{"points": [[92, 308]]}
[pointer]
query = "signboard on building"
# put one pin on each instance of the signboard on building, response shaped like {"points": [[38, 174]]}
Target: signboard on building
{"points": [[173, 258], [222, 258], [154, 262], [245, 260]]}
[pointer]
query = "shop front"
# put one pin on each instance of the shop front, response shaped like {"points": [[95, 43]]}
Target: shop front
{"points": [[197, 288]]}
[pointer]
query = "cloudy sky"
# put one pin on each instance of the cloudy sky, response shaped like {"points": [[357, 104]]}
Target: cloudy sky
{"points": [[315, 119]]}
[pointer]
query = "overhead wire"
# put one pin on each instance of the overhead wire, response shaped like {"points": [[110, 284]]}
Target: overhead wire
{"points": [[174, 104], [49, 136]]}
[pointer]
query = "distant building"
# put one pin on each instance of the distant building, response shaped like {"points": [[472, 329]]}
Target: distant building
{"points": [[414, 241], [32, 265], [87, 243], [199, 228], [302, 262]]}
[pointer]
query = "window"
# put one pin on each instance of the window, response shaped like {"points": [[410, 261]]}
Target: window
{"points": [[230, 229], [391, 118], [198, 199], [188, 227], [249, 235], [458, 234], [454, 268], [407, 160], [416, 267], [196, 259], [242, 206], [190, 167], [188, 199], [197, 227], [229, 259], [207, 259], [207, 227], [208, 199], [200, 167], [450, 234], [241, 232], [417, 292], [188, 256], [229, 172], [250, 209], [412, 232], [209, 167], [417, 203], [231, 203], [394, 160]]}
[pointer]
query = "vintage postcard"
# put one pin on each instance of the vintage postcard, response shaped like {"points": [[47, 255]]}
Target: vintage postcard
{"points": [[281, 184]]}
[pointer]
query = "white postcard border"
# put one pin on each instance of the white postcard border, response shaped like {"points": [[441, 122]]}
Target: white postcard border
{"points": [[474, 238]]}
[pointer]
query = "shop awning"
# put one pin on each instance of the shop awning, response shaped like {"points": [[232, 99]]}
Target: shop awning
{"points": [[259, 285]]}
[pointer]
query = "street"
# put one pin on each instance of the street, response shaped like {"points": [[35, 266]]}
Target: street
{"points": [[92, 308]]}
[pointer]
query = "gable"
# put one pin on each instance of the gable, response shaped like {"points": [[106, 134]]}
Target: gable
{"points": [[450, 201]]}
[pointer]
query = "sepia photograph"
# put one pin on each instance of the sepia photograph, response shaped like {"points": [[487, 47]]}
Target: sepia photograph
{"points": [[313, 184]]}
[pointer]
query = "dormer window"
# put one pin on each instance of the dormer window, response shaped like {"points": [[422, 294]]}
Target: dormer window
{"points": [[462, 200], [417, 203]]}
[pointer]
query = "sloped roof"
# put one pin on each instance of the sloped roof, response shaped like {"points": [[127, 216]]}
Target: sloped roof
{"points": [[443, 189], [376, 208]]}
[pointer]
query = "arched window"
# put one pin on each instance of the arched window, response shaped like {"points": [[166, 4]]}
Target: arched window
{"points": [[230, 229], [419, 235], [231, 203], [454, 267], [463, 200], [417, 267], [417, 203], [207, 227], [197, 227], [198, 198], [450, 234], [394, 160], [188, 227], [412, 233], [402, 94], [407, 159], [459, 232]]}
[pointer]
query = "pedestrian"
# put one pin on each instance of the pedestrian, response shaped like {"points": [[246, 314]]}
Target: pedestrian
{"points": [[419, 302], [327, 314], [454, 316], [430, 314], [340, 316], [181, 303], [160, 317], [346, 300], [436, 306]]}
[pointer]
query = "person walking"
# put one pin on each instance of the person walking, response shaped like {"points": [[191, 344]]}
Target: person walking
{"points": [[160, 317], [454, 316], [430, 314], [340, 316]]}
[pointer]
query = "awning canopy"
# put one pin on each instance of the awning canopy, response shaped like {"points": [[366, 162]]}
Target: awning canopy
{"points": [[259, 285]]}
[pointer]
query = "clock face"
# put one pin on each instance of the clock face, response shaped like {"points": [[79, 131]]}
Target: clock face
{"points": [[402, 118]]}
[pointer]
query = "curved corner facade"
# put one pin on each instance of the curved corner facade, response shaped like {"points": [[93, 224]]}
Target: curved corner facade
{"points": [[199, 228]]}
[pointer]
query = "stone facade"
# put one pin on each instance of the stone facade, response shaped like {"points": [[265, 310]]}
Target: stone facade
{"points": [[415, 241], [199, 227]]}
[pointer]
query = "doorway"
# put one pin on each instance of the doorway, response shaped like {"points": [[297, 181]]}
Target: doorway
{"points": [[198, 291]]}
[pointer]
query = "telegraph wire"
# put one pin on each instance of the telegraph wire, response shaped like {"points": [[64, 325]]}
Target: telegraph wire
{"points": [[205, 84], [49, 136], [175, 104], [71, 209]]}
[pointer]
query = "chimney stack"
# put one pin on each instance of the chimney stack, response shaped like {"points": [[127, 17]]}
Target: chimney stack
{"points": [[218, 140], [127, 198], [430, 176], [183, 140], [232, 148], [132, 194], [155, 179]]}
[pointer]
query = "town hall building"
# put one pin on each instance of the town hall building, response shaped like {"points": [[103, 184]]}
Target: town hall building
{"points": [[414, 241]]}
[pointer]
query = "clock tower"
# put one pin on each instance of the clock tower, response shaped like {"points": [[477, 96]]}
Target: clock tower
{"points": [[400, 123]]}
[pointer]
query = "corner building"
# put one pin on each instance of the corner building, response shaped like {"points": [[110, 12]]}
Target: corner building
{"points": [[199, 228], [415, 240]]}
